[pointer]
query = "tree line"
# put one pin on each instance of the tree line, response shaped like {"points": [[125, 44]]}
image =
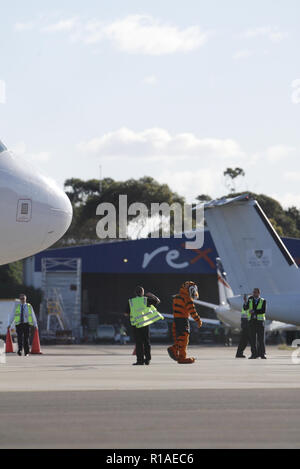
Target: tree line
{"points": [[85, 196]]}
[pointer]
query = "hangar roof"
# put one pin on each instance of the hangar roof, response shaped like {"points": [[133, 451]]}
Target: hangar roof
{"points": [[148, 256]]}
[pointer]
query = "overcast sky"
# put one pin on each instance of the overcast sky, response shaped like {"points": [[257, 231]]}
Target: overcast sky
{"points": [[175, 89]]}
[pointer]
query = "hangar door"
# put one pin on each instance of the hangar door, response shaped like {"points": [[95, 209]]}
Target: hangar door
{"points": [[61, 285]]}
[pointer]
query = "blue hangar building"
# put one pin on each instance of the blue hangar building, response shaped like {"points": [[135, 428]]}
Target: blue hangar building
{"points": [[110, 271]]}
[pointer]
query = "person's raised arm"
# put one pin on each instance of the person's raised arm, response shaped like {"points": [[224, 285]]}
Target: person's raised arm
{"points": [[152, 299], [192, 312]]}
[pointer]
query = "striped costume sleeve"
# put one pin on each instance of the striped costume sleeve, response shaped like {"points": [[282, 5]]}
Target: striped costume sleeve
{"points": [[192, 310]]}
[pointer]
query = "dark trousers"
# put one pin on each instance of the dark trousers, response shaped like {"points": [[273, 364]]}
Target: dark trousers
{"points": [[23, 337], [257, 337], [244, 337], [142, 341]]}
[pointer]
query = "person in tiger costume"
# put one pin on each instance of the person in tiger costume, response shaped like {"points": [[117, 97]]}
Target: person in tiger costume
{"points": [[183, 308]]}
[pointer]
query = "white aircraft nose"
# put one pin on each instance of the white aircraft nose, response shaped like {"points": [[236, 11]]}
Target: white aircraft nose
{"points": [[34, 211], [60, 214]]}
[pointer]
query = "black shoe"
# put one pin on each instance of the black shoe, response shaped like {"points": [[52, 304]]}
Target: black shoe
{"points": [[19, 353], [240, 356], [263, 357], [253, 357], [147, 362], [137, 363]]}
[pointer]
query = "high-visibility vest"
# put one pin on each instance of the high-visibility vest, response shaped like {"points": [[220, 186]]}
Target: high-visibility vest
{"points": [[18, 315], [245, 313], [142, 315], [260, 317]]}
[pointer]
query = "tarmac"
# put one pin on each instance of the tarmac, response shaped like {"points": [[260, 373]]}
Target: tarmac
{"points": [[92, 397]]}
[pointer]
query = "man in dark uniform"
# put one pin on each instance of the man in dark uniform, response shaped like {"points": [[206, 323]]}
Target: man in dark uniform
{"points": [[256, 307], [24, 317], [142, 335], [244, 335]]}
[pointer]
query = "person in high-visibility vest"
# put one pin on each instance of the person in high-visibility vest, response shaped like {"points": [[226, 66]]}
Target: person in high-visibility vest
{"points": [[256, 309], [123, 334], [24, 317], [244, 335], [143, 313]]}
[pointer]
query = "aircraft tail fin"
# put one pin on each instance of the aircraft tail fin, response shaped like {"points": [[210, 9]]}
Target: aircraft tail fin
{"points": [[251, 250]]}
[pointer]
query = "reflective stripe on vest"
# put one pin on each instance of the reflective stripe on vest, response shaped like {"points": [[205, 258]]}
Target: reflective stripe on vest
{"points": [[18, 315], [142, 315], [260, 317], [245, 314]]}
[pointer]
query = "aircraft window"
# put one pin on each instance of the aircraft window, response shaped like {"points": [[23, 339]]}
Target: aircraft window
{"points": [[24, 210], [2, 147]]}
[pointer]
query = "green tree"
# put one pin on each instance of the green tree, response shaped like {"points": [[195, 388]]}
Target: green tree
{"points": [[285, 221], [203, 198], [294, 214], [85, 197], [276, 227], [230, 177], [11, 285]]}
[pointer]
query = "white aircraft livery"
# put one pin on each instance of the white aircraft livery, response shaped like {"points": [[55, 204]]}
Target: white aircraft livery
{"points": [[34, 212], [232, 317], [253, 255]]}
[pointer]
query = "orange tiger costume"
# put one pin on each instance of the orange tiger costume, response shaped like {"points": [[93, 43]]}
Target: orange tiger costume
{"points": [[183, 308]]}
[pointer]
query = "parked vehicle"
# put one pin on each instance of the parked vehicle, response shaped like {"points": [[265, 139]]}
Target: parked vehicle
{"points": [[121, 336], [105, 333], [6, 307], [159, 330]]}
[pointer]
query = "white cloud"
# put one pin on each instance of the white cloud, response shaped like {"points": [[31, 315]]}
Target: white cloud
{"points": [[21, 149], [192, 182], [134, 34], [2, 92], [157, 143], [151, 80], [292, 176], [247, 53], [288, 199], [272, 33], [279, 152], [26, 26], [61, 26], [41, 156], [296, 93], [272, 154], [147, 35], [242, 54]]}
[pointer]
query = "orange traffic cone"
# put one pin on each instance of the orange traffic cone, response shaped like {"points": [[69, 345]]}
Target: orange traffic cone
{"points": [[134, 351], [35, 347], [9, 347]]}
